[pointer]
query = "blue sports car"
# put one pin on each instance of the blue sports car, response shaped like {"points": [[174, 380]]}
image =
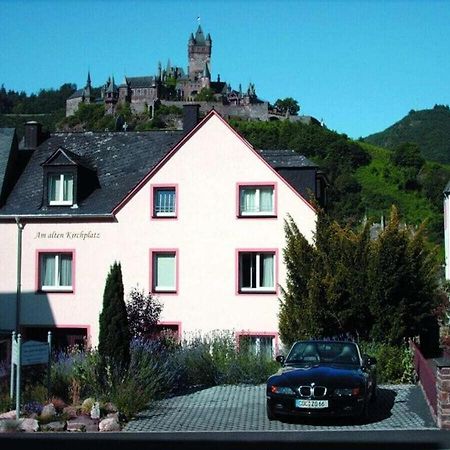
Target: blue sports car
{"points": [[322, 378]]}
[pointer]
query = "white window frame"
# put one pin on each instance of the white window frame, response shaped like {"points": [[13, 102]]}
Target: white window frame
{"points": [[60, 195], [169, 289], [156, 213], [257, 268], [56, 286], [257, 211]]}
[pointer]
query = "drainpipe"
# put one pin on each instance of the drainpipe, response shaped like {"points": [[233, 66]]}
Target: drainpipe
{"points": [[20, 227]]}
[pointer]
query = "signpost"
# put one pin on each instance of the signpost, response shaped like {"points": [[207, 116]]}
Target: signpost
{"points": [[27, 354]]}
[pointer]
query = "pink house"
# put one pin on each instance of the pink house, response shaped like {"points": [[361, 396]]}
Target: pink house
{"points": [[196, 217]]}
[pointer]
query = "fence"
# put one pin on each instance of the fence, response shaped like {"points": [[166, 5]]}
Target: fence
{"points": [[426, 374]]}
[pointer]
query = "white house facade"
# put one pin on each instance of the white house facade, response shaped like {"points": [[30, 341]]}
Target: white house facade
{"points": [[196, 218]]}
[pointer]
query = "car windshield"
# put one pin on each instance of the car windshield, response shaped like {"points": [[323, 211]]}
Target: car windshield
{"points": [[324, 352]]}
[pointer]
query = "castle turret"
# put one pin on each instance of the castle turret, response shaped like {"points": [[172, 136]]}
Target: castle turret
{"points": [[87, 91], [111, 96]]}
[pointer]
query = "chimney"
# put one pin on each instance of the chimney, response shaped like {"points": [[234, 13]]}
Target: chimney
{"points": [[190, 117], [33, 135]]}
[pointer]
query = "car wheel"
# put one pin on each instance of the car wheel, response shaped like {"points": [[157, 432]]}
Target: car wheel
{"points": [[270, 414], [364, 417], [373, 398]]}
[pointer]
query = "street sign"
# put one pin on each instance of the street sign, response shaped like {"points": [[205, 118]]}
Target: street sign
{"points": [[15, 352], [34, 352]]}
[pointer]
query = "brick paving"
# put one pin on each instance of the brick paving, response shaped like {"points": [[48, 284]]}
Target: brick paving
{"points": [[242, 408]]}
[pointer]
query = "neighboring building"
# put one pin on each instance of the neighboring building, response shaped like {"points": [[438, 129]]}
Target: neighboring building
{"points": [[194, 216]]}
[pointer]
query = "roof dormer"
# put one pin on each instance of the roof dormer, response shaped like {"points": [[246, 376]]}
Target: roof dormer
{"points": [[67, 179]]}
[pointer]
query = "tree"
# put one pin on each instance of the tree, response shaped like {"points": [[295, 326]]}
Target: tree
{"points": [[403, 282], [205, 95], [408, 155], [298, 257], [347, 284], [287, 104], [143, 312], [114, 337]]}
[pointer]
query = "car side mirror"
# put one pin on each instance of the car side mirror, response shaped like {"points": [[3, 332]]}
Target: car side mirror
{"points": [[280, 359]]}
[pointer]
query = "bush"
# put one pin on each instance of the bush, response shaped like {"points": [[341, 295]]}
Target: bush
{"points": [[394, 363]]}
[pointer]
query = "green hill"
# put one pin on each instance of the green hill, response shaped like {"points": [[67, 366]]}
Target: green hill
{"points": [[429, 128]]}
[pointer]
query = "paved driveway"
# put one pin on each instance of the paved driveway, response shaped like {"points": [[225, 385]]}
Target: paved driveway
{"points": [[242, 408]]}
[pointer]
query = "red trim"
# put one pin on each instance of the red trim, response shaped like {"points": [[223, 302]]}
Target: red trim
{"points": [[274, 334], [38, 289], [257, 184], [153, 252], [276, 268], [152, 199], [169, 155]]}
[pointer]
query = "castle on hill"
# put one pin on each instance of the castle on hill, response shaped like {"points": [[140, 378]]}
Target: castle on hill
{"points": [[172, 85]]}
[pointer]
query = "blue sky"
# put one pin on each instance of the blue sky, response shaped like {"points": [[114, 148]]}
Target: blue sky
{"points": [[358, 65]]}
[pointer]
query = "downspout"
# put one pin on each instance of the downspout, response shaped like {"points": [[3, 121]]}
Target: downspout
{"points": [[20, 227]]}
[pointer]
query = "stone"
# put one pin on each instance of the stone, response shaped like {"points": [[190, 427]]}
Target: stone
{"points": [[54, 426], [9, 425], [48, 411], [110, 407], [109, 424], [8, 415], [82, 423], [71, 411], [29, 425]]}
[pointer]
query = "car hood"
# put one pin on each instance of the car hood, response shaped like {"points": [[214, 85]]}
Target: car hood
{"points": [[323, 374]]}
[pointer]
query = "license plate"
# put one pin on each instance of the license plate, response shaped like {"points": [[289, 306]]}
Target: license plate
{"points": [[311, 404]]}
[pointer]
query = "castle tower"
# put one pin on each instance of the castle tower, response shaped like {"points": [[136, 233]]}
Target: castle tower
{"points": [[87, 92], [199, 54]]}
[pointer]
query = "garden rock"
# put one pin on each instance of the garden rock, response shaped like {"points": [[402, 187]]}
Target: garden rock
{"points": [[9, 425], [109, 424], [29, 425], [11, 415], [71, 411], [48, 411], [82, 423], [54, 426]]}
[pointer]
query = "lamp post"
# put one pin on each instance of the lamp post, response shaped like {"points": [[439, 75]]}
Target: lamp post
{"points": [[20, 227]]}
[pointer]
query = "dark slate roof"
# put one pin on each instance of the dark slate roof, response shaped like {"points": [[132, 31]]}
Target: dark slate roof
{"points": [[286, 159], [77, 94], [121, 161], [140, 82], [218, 87], [6, 141]]}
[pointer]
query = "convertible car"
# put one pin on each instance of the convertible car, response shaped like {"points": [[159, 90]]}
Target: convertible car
{"points": [[322, 378]]}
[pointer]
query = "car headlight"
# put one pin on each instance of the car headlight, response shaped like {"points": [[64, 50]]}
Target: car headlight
{"points": [[348, 392], [281, 390]]}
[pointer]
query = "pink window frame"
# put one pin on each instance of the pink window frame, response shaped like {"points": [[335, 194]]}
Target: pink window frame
{"points": [[40, 252], [153, 188], [155, 251], [257, 184], [273, 334], [276, 268]]}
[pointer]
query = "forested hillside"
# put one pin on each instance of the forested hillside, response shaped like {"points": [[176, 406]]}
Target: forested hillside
{"points": [[429, 128], [364, 180]]}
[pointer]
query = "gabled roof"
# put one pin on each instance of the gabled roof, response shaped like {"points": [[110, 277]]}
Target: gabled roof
{"points": [[6, 142], [140, 82], [286, 158], [121, 161], [77, 94]]}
